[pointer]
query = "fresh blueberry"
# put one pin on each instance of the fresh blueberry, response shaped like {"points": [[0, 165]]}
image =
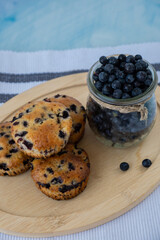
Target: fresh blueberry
{"points": [[137, 84], [148, 82], [129, 68], [103, 77], [122, 57], [111, 78], [121, 74], [103, 60], [122, 81], [146, 163], [141, 76], [117, 93], [139, 66], [99, 70], [143, 63], [99, 85], [113, 60], [106, 90], [129, 78], [130, 59], [136, 91], [138, 57], [124, 166], [95, 77], [125, 95], [116, 84], [109, 68], [148, 71], [127, 88], [122, 65]]}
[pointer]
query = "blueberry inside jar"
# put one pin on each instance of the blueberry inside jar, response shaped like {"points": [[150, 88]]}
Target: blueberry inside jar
{"points": [[121, 106]]}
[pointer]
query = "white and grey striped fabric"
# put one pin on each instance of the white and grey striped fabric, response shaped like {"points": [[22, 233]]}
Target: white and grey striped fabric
{"points": [[23, 70]]}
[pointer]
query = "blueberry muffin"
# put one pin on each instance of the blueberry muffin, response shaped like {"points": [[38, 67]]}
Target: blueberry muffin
{"points": [[41, 129], [12, 160], [64, 175], [77, 112]]}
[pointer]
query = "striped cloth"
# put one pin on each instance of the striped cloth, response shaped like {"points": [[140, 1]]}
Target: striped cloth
{"points": [[21, 71]]}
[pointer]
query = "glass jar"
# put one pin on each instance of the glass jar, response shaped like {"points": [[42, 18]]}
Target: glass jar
{"points": [[121, 122]]}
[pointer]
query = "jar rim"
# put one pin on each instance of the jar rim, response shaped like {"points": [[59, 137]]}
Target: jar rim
{"points": [[129, 101]]}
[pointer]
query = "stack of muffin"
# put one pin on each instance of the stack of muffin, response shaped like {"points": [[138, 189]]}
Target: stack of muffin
{"points": [[42, 136]]}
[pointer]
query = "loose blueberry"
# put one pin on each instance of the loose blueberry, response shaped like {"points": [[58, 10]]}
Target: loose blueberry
{"points": [[99, 85], [109, 68], [111, 78], [122, 65], [129, 68], [125, 96], [127, 87], [95, 77], [130, 78], [138, 57], [136, 91], [148, 82], [124, 166], [99, 70], [146, 163], [141, 76], [121, 74], [130, 59], [137, 84], [106, 90], [122, 57], [139, 67], [103, 60], [143, 63], [103, 77], [117, 93], [116, 84], [113, 60]]}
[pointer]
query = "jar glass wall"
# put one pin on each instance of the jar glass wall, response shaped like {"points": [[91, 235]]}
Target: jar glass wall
{"points": [[114, 127]]}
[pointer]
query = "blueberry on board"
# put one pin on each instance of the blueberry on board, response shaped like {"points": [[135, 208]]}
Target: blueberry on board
{"points": [[109, 68], [148, 82], [124, 166], [106, 90], [111, 78], [138, 57], [125, 96], [99, 85], [127, 87], [136, 91], [122, 57], [103, 77], [103, 60], [121, 66], [113, 60], [99, 70], [95, 77], [141, 76], [117, 93], [130, 59], [146, 163], [129, 68], [130, 78], [116, 84]]}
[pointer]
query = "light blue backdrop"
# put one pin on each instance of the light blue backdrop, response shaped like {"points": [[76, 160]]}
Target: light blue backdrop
{"points": [[31, 25]]}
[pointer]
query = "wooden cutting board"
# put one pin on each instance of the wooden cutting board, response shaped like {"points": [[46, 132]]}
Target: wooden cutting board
{"points": [[25, 211]]}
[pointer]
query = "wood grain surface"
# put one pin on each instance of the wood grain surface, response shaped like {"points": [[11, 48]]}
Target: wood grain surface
{"points": [[25, 211]]}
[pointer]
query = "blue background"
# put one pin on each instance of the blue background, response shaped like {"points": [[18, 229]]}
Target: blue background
{"points": [[31, 25]]}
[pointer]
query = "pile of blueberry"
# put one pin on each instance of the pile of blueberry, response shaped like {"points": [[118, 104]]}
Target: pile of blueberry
{"points": [[122, 77]]}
